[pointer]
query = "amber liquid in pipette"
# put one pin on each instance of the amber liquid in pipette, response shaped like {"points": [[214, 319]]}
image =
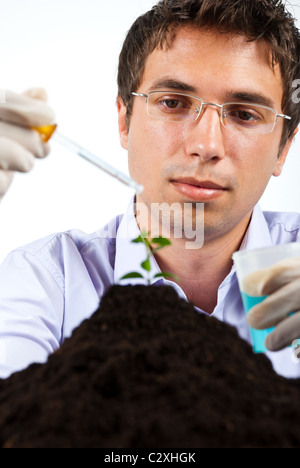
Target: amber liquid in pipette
{"points": [[46, 132]]}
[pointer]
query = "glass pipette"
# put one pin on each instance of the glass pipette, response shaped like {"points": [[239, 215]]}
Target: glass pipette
{"points": [[50, 132]]}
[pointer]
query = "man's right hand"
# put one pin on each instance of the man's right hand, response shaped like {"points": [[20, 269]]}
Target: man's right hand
{"points": [[19, 145]]}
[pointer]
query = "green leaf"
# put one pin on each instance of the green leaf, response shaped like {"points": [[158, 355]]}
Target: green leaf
{"points": [[146, 265], [161, 241], [138, 240], [134, 274], [166, 275]]}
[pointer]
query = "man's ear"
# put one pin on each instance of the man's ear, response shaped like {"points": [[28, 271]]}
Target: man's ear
{"points": [[283, 155], [123, 132]]}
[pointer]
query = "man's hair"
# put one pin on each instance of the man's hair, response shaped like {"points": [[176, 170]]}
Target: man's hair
{"points": [[267, 20]]}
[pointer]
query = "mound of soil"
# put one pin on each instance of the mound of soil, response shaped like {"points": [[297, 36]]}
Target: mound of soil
{"points": [[147, 371]]}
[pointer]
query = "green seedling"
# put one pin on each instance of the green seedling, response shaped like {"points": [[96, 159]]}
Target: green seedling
{"points": [[152, 246]]}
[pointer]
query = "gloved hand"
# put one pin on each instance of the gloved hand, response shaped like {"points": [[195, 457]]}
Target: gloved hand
{"points": [[282, 284], [19, 146]]}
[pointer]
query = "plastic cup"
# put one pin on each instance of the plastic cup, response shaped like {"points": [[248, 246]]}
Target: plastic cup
{"points": [[251, 261]]}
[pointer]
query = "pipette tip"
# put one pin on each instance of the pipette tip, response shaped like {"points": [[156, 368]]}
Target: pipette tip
{"points": [[138, 188]]}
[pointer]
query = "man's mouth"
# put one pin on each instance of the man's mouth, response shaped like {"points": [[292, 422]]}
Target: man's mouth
{"points": [[197, 190]]}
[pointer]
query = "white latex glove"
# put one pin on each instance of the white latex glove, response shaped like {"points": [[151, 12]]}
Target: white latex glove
{"points": [[19, 146], [282, 284]]}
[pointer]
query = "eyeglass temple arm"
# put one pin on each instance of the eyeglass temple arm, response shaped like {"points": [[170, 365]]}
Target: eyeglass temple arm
{"points": [[287, 117], [140, 95]]}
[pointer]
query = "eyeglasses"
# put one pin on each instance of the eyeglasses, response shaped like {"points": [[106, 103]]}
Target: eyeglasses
{"points": [[237, 116]]}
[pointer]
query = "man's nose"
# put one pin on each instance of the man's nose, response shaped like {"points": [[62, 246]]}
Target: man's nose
{"points": [[205, 137]]}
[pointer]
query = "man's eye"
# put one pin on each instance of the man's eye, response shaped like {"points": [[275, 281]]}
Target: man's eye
{"points": [[244, 115], [173, 104]]}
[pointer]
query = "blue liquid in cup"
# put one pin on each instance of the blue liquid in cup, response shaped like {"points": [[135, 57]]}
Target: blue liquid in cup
{"points": [[258, 336]]}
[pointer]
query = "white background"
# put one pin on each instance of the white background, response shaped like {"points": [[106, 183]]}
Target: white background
{"points": [[71, 48]]}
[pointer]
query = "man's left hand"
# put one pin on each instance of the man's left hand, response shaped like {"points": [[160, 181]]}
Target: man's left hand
{"points": [[281, 284]]}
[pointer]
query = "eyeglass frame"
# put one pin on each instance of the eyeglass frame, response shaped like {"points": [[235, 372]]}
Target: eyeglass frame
{"points": [[277, 114]]}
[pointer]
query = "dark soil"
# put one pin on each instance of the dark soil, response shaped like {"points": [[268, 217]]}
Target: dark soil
{"points": [[148, 371]]}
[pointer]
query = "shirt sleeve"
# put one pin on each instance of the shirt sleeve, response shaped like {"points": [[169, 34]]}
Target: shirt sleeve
{"points": [[31, 312]]}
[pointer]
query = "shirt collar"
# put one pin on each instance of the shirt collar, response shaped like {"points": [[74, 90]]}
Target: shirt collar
{"points": [[258, 234]]}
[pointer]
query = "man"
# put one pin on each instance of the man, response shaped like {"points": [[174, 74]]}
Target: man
{"points": [[206, 114]]}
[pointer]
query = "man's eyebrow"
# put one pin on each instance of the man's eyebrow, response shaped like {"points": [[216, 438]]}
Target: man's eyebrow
{"points": [[165, 84], [253, 97]]}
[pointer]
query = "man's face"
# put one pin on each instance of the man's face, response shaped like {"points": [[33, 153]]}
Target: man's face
{"points": [[233, 167]]}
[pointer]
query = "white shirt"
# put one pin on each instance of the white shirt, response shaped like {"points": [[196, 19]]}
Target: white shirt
{"points": [[49, 287]]}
